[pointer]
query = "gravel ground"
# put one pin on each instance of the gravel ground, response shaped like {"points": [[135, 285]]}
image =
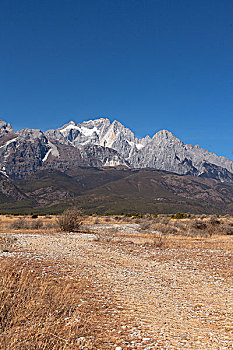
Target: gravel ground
{"points": [[176, 296]]}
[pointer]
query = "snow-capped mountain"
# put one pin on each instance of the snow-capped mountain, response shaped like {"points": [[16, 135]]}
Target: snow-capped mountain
{"points": [[102, 143], [163, 151]]}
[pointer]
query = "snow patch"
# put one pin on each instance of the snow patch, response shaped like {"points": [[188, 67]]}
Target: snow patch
{"points": [[83, 130], [69, 127], [8, 142], [87, 131], [139, 146], [112, 163], [130, 143], [53, 150], [3, 172], [47, 154]]}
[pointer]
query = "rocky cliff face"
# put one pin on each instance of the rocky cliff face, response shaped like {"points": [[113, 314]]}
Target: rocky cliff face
{"points": [[163, 151], [102, 143], [28, 150]]}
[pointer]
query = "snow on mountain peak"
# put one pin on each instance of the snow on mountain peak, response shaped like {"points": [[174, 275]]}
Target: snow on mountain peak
{"points": [[163, 151]]}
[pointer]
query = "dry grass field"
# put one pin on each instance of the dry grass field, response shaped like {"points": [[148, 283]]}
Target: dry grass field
{"points": [[118, 283]]}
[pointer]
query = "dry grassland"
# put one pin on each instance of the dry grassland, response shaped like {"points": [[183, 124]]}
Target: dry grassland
{"points": [[119, 283]]}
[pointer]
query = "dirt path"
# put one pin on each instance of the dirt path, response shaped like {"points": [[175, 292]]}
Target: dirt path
{"points": [[179, 296]]}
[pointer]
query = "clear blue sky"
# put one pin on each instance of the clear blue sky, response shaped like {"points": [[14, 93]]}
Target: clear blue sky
{"points": [[153, 64]]}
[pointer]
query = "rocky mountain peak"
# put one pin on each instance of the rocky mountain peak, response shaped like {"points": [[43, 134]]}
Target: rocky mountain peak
{"points": [[31, 134], [5, 128], [100, 142], [165, 135]]}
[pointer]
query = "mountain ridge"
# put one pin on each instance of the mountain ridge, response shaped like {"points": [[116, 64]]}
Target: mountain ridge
{"points": [[114, 190], [100, 142]]}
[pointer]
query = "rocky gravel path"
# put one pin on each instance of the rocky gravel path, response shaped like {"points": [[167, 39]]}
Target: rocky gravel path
{"points": [[179, 296]]}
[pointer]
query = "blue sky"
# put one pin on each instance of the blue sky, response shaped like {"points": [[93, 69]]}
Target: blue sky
{"points": [[151, 64]]}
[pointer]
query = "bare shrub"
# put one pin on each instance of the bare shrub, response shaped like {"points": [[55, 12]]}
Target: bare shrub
{"points": [[50, 225], [198, 224], [19, 224], [228, 229], [127, 219], [159, 241], [199, 233], [212, 226], [224, 228], [163, 220], [145, 225], [165, 229], [179, 226], [70, 220], [23, 224], [36, 225], [214, 221]]}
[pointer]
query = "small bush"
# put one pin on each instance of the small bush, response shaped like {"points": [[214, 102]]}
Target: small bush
{"points": [[214, 221], [179, 226], [180, 216], [159, 241], [34, 216], [165, 229], [50, 225], [145, 225], [163, 220], [70, 220], [19, 224], [36, 225], [228, 230], [200, 225]]}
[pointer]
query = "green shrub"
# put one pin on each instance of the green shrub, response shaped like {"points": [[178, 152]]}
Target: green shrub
{"points": [[180, 216]]}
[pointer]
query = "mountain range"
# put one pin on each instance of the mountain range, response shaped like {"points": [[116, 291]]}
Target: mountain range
{"points": [[100, 143], [102, 167]]}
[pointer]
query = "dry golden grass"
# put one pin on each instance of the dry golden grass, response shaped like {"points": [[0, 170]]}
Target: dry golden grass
{"points": [[61, 291], [39, 311], [26, 224], [42, 308]]}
